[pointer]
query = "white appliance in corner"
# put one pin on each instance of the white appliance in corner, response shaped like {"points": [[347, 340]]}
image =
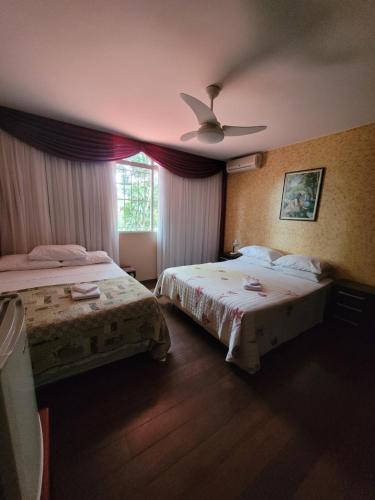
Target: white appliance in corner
{"points": [[21, 441], [250, 162]]}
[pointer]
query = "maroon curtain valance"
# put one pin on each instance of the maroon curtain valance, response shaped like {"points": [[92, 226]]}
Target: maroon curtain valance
{"points": [[84, 144]]}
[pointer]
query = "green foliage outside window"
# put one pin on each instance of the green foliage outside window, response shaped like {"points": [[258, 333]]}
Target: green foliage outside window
{"points": [[137, 195]]}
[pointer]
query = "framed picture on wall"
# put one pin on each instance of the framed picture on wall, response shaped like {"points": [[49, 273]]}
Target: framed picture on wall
{"points": [[301, 193]]}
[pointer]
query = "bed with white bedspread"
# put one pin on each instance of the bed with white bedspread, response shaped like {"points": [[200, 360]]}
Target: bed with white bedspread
{"points": [[249, 323]]}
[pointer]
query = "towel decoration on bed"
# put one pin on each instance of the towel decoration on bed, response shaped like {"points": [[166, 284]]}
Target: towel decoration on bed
{"points": [[253, 284], [83, 291]]}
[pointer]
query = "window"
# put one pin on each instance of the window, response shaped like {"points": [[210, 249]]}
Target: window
{"points": [[137, 194]]}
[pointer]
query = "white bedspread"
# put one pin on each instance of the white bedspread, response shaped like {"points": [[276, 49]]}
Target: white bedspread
{"points": [[214, 296], [11, 281]]}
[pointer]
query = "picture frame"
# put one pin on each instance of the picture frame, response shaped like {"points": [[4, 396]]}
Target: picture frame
{"points": [[301, 194]]}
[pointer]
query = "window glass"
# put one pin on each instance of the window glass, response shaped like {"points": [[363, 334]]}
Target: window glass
{"points": [[137, 194]]}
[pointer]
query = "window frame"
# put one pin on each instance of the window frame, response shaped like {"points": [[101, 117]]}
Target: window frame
{"points": [[153, 166]]}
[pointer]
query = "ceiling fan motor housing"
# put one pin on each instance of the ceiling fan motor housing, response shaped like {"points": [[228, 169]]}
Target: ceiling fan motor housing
{"points": [[210, 133]]}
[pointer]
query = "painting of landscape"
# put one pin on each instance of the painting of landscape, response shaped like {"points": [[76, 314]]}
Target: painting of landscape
{"points": [[301, 195]]}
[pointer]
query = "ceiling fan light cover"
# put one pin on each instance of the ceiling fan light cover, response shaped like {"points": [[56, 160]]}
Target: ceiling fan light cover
{"points": [[210, 134]]}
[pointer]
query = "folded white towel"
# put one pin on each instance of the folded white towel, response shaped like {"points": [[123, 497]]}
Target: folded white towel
{"points": [[94, 294], [256, 288], [84, 287], [252, 284]]}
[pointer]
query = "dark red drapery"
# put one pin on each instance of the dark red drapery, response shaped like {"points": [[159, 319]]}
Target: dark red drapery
{"points": [[76, 143]]}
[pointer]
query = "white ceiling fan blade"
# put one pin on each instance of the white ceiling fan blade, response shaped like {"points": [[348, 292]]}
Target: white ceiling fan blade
{"points": [[203, 113], [188, 136], [228, 130]]}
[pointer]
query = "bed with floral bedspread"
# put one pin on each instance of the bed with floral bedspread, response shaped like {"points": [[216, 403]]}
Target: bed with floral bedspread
{"points": [[249, 323], [67, 337]]}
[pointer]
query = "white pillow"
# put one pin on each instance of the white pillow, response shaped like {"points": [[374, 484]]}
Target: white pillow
{"points": [[306, 275], [98, 257], [262, 253], [255, 261], [58, 252], [303, 263], [23, 263]]}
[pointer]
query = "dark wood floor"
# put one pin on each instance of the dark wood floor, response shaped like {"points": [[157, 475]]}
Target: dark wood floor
{"points": [[198, 428]]}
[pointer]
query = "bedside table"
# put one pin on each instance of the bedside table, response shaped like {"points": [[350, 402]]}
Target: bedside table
{"points": [[354, 304], [130, 270], [229, 256]]}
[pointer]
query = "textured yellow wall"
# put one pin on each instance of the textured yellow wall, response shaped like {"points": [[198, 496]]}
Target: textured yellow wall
{"points": [[344, 233]]}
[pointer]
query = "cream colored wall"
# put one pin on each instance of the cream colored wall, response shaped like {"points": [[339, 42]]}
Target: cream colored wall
{"points": [[344, 232], [139, 250]]}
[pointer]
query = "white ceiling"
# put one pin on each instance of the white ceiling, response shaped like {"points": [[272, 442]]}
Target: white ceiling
{"points": [[304, 68]]}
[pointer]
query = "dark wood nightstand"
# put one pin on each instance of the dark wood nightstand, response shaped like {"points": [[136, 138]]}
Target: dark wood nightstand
{"points": [[229, 256], [130, 270], [354, 304]]}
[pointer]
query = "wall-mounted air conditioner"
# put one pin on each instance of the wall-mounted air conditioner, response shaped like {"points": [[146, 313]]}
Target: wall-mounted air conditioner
{"points": [[250, 162]]}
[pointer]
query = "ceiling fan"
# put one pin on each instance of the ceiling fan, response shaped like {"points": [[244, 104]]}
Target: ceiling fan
{"points": [[210, 130]]}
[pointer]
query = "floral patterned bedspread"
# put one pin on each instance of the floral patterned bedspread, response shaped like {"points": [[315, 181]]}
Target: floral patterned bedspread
{"points": [[63, 332], [213, 295]]}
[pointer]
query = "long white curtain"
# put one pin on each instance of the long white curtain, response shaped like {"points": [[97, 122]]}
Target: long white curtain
{"points": [[189, 220], [44, 200]]}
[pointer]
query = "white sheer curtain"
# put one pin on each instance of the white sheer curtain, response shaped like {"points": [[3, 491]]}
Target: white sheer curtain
{"points": [[24, 209], [44, 200], [189, 220], [82, 202]]}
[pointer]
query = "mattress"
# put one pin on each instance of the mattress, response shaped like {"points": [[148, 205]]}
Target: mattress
{"points": [[11, 281], [249, 323], [68, 337]]}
